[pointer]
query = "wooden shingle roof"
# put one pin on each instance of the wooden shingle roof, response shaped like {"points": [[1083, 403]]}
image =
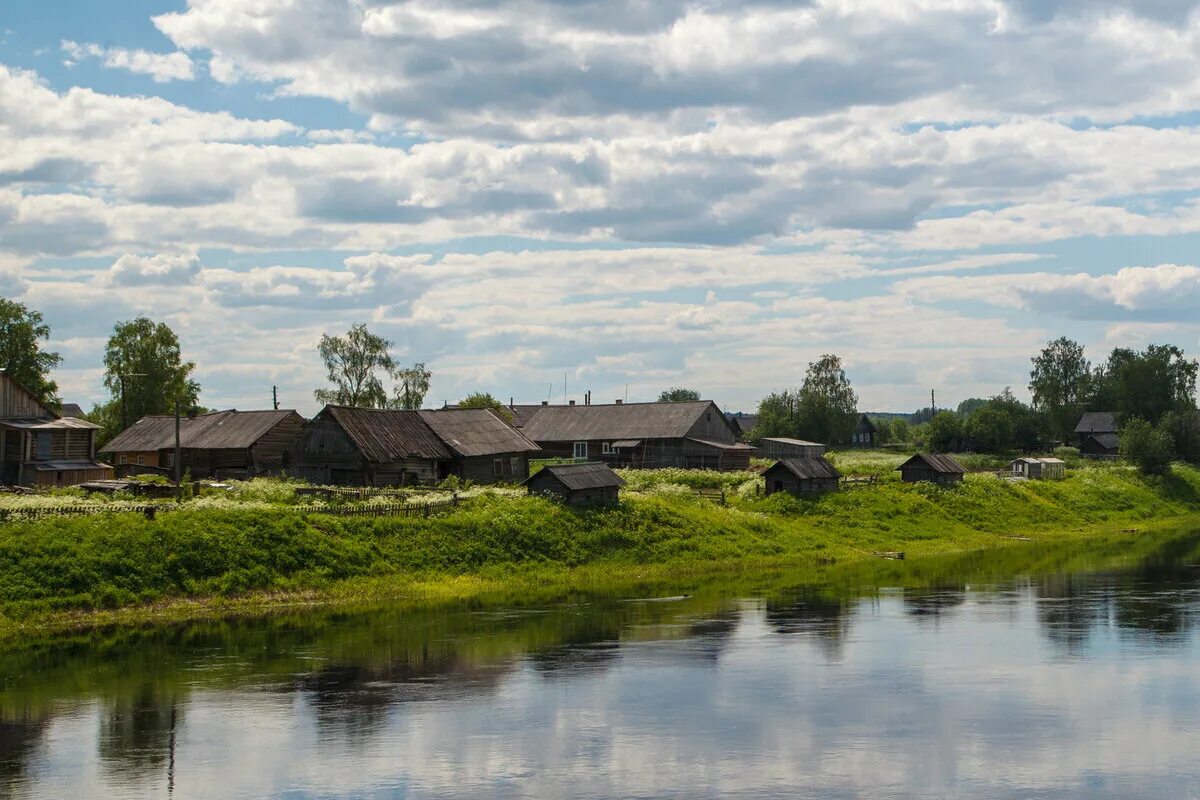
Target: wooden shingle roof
{"points": [[476, 432], [1098, 422], [219, 430], [938, 462], [582, 476], [385, 435], [807, 468]]}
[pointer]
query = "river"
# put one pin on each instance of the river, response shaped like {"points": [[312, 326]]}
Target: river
{"points": [[1038, 672]]}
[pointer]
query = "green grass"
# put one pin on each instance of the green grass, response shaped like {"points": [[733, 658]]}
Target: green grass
{"points": [[247, 544]]}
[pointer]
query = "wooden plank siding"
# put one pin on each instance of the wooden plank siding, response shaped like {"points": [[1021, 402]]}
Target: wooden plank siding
{"points": [[325, 454]]}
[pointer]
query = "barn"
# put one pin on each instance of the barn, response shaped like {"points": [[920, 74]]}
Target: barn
{"points": [[694, 435], [344, 446], [1097, 434], [39, 448], [778, 448], [486, 448], [590, 484], [933, 468], [802, 476]]}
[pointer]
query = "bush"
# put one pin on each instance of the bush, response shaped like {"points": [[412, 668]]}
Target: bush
{"points": [[1149, 448]]}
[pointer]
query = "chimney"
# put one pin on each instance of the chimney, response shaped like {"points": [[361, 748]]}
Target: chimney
{"points": [[511, 402], [545, 402], [619, 401], [572, 403]]}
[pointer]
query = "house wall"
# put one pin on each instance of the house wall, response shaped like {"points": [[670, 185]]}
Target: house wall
{"points": [[545, 484], [67, 477], [784, 480], [924, 474], [1090, 447], [16, 402], [149, 458], [481, 469], [782, 450], [325, 455], [712, 424], [269, 454], [655, 454]]}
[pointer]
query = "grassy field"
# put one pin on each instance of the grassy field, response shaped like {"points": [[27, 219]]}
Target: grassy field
{"points": [[245, 547]]}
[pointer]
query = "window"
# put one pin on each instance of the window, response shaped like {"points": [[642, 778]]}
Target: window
{"points": [[170, 459], [141, 460], [514, 466], [498, 468], [123, 460], [581, 450], [607, 448], [43, 445]]}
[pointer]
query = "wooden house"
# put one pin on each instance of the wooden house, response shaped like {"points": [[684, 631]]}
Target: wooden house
{"points": [[694, 435], [589, 484], [778, 448], [802, 476], [220, 445], [1047, 469], [933, 468], [343, 446], [39, 448], [1097, 434], [865, 433], [744, 424], [486, 449]]}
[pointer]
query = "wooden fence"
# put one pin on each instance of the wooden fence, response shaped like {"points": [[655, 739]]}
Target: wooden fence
{"points": [[859, 481]]}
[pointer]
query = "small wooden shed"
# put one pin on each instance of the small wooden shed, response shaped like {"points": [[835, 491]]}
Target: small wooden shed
{"points": [[779, 448], [577, 484], [1044, 469], [802, 476], [933, 468]]}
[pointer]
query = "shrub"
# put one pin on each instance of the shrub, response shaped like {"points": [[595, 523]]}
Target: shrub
{"points": [[1149, 448]]}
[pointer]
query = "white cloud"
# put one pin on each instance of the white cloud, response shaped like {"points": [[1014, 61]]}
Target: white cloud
{"points": [[162, 67], [162, 268]]}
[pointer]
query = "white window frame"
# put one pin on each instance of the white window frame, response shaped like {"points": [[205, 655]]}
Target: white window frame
{"points": [[580, 450], [607, 449], [123, 459]]}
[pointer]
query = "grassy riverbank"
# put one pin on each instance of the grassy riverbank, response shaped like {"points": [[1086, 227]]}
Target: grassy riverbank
{"points": [[250, 551]]}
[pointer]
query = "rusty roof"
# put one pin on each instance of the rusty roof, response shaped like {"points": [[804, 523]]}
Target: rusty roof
{"points": [[386, 434], [476, 432]]}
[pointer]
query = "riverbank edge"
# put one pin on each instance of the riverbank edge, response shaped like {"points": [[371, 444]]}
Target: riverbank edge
{"points": [[539, 582]]}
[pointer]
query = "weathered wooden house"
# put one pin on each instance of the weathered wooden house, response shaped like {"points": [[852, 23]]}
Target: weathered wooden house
{"points": [[744, 424], [802, 476], [1046, 469], [590, 484], [693, 435], [343, 446], [220, 445], [1098, 434], [39, 448], [486, 449], [865, 433], [932, 468], [779, 448], [140, 443]]}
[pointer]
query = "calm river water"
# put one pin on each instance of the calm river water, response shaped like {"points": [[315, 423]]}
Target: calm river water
{"points": [[1036, 673]]}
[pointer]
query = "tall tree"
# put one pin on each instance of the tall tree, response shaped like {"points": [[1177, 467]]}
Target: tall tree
{"points": [[943, 431], [22, 331], [354, 364], [145, 371], [677, 394], [828, 404], [1146, 384], [486, 400], [412, 384], [1147, 446], [1059, 383], [778, 415]]}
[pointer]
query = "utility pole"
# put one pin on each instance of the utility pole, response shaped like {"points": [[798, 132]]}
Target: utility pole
{"points": [[124, 405], [178, 465], [932, 403], [275, 397]]}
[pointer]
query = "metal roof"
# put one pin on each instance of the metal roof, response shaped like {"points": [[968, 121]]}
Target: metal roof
{"points": [[806, 468], [476, 432], [1098, 422], [796, 442], [625, 421], [385, 435], [147, 434], [43, 424], [524, 413], [938, 462], [720, 445], [1033, 460], [582, 476], [63, 466]]}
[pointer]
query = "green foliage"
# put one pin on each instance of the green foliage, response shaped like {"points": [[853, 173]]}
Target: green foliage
{"points": [[486, 400], [677, 394], [1060, 383], [1146, 384], [146, 374], [969, 406], [1183, 425], [823, 409], [22, 331], [412, 384], [944, 431], [1148, 447], [353, 364]]}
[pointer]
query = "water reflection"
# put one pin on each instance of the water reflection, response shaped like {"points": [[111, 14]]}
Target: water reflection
{"points": [[1051, 672]]}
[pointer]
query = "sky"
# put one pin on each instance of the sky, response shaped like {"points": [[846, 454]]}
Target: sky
{"points": [[607, 195]]}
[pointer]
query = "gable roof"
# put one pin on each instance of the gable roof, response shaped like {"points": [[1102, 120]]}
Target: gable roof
{"points": [[1109, 441], [806, 468], [522, 413], [385, 435], [476, 432], [938, 462], [625, 421], [10, 386], [743, 423], [148, 433], [794, 442], [1098, 422], [865, 425], [219, 430], [581, 476], [71, 410]]}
